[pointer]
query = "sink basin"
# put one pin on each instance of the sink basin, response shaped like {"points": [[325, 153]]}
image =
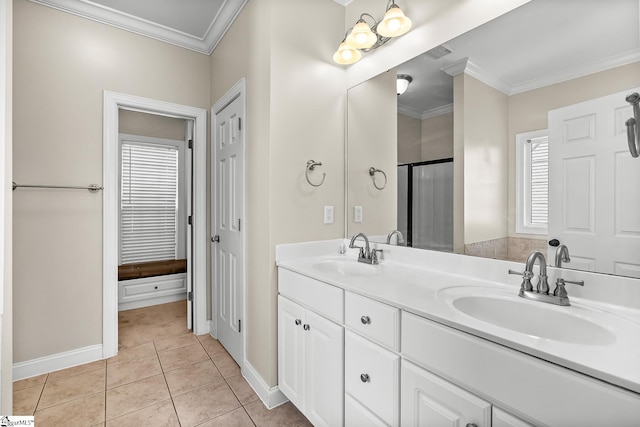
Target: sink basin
{"points": [[537, 319], [345, 268]]}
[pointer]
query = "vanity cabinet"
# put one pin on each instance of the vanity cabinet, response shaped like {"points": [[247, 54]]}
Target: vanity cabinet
{"points": [[311, 352], [544, 393]]}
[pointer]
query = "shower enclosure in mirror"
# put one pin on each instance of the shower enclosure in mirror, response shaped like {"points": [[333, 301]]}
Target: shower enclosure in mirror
{"points": [[470, 99]]}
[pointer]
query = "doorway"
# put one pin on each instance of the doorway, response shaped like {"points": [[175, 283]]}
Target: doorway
{"points": [[113, 102]]}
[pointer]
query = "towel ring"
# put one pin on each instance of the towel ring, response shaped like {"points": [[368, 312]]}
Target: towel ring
{"points": [[372, 173], [633, 125], [311, 165]]}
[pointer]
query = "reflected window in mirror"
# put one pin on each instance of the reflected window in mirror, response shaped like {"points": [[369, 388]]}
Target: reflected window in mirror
{"points": [[532, 175]]}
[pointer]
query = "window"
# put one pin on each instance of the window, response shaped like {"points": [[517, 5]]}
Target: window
{"points": [[532, 178], [150, 217]]}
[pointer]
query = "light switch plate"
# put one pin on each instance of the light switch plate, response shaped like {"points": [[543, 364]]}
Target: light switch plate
{"points": [[328, 214], [357, 214]]}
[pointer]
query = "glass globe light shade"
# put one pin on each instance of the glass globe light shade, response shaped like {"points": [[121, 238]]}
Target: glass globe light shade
{"points": [[346, 54], [394, 23], [361, 36]]}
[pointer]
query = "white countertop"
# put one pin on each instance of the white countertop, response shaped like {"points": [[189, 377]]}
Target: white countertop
{"points": [[425, 290]]}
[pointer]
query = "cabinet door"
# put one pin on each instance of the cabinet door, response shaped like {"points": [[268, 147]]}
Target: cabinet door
{"points": [[428, 400], [291, 351], [324, 373]]}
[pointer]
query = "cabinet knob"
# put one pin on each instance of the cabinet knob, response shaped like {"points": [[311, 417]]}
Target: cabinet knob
{"points": [[472, 425], [364, 378], [298, 321], [365, 320], [306, 327]]}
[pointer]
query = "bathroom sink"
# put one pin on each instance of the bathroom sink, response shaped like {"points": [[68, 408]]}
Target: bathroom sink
{"points": [[345, 268], [572, 325]]}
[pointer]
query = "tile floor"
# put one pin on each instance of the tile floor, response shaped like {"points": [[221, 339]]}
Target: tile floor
{"points": [[163, 375]]}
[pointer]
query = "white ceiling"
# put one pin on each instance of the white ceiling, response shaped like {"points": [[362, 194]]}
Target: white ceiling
{"points": [[540, 43], [193, 24]]}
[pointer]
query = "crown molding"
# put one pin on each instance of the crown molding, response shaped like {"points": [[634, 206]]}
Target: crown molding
{"points": [[574, 73], [421, 115], [124, 21], [344, 2]]}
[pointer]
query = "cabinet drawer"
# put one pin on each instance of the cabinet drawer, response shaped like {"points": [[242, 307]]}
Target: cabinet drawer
{"points": [[321, 297], [375, 320], [151, 287], [372, 376], [357, 415]]}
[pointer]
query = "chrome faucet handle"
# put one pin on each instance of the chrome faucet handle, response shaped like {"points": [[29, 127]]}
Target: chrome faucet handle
{"points": [[560, 290], [374, 255], [526, 279]]}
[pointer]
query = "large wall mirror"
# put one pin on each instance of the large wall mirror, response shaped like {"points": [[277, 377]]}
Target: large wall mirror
{"points": [[507, 137]]}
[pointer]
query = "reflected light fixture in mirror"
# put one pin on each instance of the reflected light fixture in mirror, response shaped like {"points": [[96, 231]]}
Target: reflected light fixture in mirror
{"points": [[363, 37], [402, 83]]}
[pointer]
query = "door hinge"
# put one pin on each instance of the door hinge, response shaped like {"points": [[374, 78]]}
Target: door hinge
{"points": [[216, 238], [190, 296], [191, 143], [238, 224], [189, 220], [239, 123], [239, 325]]}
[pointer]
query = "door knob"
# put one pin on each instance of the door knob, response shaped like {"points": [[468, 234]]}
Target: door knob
{"points": [[365, 320], [364, 378]]}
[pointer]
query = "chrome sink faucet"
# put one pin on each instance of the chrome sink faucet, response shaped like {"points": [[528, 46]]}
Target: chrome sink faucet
{"points": [[399, 237], [543, 286], [562, 255], [541, 293], [366, 255]]}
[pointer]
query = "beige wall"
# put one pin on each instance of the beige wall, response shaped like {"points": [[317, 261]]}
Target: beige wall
{"points": [[372, 136], [409, 139], [291, 119], [437, 137], [485, 160], [62, 65], [137, 123], [6, 137], [528, 110]]}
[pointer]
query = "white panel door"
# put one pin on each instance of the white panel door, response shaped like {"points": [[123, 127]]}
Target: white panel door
{"points": [[593, 204], [430, 401], [228, 208]]}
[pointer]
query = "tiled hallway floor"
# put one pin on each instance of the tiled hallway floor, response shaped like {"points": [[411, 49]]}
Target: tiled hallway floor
{"points": [[163, 375]]}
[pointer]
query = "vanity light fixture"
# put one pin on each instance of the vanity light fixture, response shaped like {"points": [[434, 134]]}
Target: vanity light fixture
{"points": [[363, 36], [402, 83]]}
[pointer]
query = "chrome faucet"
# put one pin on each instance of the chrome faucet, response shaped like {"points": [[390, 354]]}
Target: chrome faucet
{"points": [[562, 255], [559, 296], [399, 237], [542, 286], [366, 255]]}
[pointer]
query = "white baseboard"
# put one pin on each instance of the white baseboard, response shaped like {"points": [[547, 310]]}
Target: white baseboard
{"points": [[55, 362], [270, 396]]}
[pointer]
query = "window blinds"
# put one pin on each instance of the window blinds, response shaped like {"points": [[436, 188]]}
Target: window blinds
{"points": [[148, 208], [539, 181]]}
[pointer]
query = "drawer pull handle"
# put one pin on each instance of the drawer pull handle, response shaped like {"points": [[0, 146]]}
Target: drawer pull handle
{"points": [[472, 425], [366, 320], [364, 378], [298, 322], [306, 327]]}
